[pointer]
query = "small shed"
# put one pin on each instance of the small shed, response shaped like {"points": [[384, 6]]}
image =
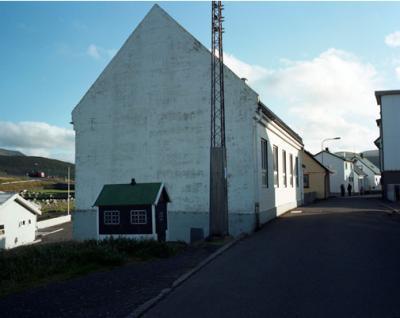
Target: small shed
{"points": [[17, 220], [135, 210]]}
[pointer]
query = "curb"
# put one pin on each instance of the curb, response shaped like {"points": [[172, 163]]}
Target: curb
{"points": [[393, 210], [138, 312]]}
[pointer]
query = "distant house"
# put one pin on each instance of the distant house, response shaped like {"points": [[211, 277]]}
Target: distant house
{"points": [[341, 168], [135, 210], [372, 174], [316, 178], [17, 220], [389, 141]]}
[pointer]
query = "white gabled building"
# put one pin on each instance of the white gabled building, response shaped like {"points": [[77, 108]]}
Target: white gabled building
{"points": [[17, 220], [147, 117], [341, 170], [372, 178], [389, 142]]}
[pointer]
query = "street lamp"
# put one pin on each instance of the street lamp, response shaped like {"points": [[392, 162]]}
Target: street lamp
{"points": [[322, 145], [326, 139]]}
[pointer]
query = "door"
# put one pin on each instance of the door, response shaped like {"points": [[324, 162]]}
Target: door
{"points": [[161, 221]]}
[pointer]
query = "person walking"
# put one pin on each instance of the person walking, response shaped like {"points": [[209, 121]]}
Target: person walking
{"points": [[342, 190], [349, 187]]}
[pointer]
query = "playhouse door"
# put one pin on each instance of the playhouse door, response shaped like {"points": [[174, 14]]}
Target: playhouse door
{"points": [[161, 221]]}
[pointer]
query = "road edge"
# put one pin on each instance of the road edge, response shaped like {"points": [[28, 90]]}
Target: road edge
{"points": [[143, 308]]}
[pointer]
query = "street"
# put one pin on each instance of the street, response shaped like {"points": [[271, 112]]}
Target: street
{"points": [[338, 258]]}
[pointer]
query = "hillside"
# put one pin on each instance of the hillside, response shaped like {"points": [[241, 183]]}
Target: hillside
{"points": [[21, 165], [6, 152]]}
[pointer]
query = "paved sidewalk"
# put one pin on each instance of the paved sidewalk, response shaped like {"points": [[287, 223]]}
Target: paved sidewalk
{"points": [[338, 258]]}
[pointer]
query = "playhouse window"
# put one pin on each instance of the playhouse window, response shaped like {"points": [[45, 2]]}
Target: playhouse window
{"points": [[138, 217], [111, 217]]}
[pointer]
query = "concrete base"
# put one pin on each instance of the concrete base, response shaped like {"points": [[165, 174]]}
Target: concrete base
{"points": [[180, 224], [84, 225]]}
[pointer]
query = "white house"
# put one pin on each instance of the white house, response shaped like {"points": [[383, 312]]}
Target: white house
{"points": [[388, 142], [17, 220], [147, 117], [372, 179], [341, 168]]}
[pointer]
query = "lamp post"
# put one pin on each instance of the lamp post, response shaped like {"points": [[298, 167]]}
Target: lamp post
{"points": [[322, 145]]}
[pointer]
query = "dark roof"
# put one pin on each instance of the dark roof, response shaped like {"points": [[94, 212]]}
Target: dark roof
{"points": [[379, 94], [267, 112], [355, 156], [128, 194], [312, 157]]}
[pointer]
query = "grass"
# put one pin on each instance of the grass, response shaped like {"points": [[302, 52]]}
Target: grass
{"points": [[55, 208], [33, 265]]}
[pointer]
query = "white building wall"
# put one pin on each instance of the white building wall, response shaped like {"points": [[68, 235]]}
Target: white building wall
{"points": [[372, 181], [391, 132], [12, 216], [147, 116], [275, 200], [339, 174]]}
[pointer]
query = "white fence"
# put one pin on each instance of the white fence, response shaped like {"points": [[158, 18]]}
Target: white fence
{"points": [[54, 221]]}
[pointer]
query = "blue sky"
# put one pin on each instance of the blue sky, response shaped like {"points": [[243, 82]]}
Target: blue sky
{"points": [[298, 56]]}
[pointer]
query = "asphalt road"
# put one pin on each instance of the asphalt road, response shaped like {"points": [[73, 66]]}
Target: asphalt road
{"points": [[339, 258]]}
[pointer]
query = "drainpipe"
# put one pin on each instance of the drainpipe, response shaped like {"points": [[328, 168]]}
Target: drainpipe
{"points": [[257, 119]]}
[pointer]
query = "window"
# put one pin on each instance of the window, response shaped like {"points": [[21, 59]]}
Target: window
{"points": [[284, 168], [291, 169], [2, 230], [306, 181], [296, 171], [138, 217], [111, 217], [276, 167], [264, 162]]}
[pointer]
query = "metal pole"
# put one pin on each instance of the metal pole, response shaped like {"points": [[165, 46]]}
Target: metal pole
{"points": [[68, 190]]}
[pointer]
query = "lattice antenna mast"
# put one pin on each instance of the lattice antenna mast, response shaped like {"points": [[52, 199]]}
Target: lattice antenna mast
{"points": [[218, 172], [217, 78]]}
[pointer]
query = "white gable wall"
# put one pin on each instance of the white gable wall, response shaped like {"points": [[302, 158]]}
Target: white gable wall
{"points": [[148, 117], [339, 174], [12, 216]]}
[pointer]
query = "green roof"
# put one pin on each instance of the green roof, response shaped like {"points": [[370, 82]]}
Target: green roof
{"points": [[128, 194]]}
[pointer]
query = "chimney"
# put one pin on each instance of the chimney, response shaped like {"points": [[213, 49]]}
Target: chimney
{"points": [[327, 149], [361, 155], [133, 181]]}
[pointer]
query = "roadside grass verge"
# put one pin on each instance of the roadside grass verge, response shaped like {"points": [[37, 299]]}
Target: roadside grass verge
{"points": [[34, 265]]}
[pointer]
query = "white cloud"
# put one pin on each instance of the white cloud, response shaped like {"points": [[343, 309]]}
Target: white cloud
{"points": [[98, 53], [330, 95], [252, 73], [38, 139], [393, 39]]}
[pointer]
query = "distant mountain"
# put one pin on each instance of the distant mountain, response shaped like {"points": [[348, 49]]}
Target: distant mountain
{"points": [[6, 152], [21, 165]]}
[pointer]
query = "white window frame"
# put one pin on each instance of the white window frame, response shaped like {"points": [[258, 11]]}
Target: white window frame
{"points": [[264, 163], [291, 169], [114, 214], [138, 220], [276, 165], [284, 168]]}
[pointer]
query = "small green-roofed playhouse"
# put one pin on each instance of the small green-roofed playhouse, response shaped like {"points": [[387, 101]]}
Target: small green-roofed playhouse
{"points": [[135, 210]]}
